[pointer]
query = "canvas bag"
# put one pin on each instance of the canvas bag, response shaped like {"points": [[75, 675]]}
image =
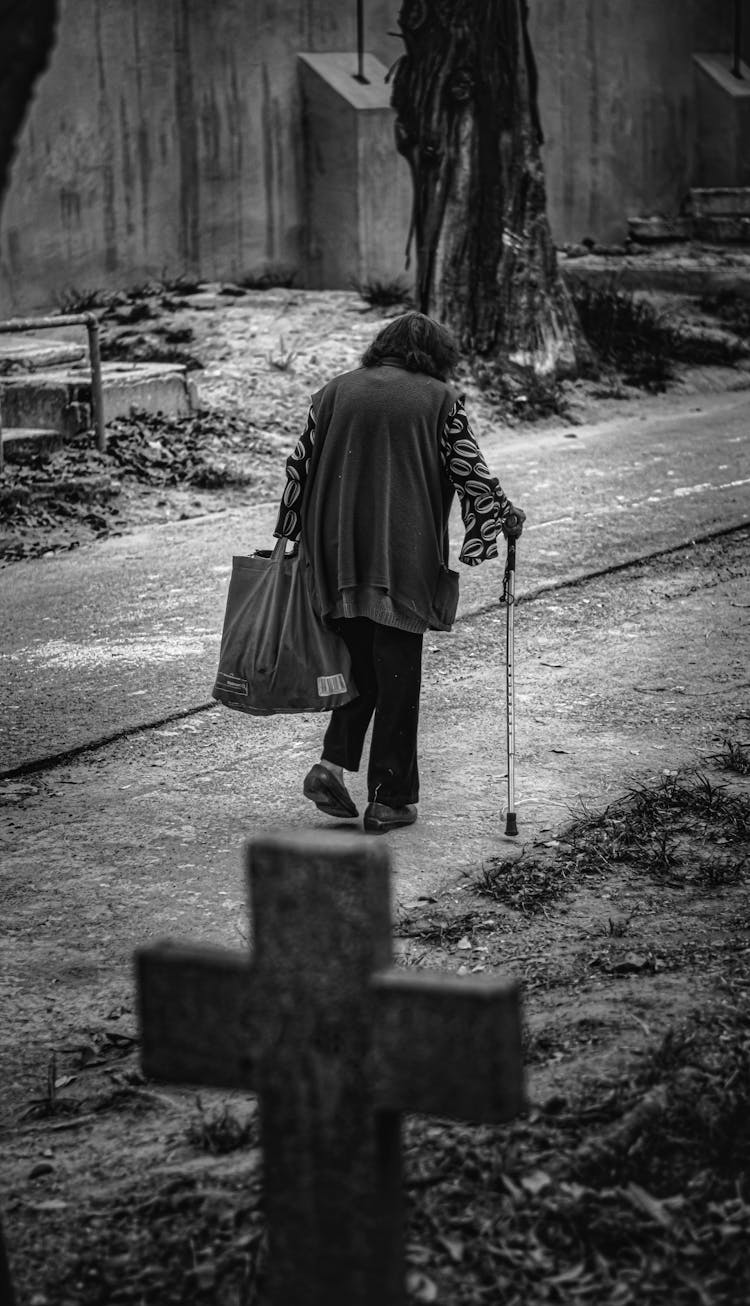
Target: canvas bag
{"points": [[276, 654]]}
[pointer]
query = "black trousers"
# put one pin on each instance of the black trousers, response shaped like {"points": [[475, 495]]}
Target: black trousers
{"points": [[387, 670]]}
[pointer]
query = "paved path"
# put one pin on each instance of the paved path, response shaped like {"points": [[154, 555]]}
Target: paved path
{"points": [[125, 632]]}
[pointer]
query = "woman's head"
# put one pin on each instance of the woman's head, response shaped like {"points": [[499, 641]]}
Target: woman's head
{"points": [[417, 343]]}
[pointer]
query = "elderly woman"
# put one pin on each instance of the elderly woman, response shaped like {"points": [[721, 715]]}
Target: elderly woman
{"points": [[368, 495]]}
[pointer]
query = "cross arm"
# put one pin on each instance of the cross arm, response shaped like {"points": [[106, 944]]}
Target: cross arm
{"points": [[195, 1015], [447, 1045]]}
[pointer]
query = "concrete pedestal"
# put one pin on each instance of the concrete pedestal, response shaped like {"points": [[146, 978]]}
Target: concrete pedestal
{"points": [[722, 153], [358, 186]]}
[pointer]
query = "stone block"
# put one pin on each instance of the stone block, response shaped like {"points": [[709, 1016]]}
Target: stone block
{"points": [[659, 229], [28, 353], [722, 103], [19, 445], [720, 202], [60, 399], [358, 186], [149, 387], [38, 401]]}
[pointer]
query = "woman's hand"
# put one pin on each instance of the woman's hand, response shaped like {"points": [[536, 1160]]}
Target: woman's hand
{"points": [[512, 522]]}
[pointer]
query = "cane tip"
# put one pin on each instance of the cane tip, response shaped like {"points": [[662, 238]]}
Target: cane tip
{"points": [[510, 823]]}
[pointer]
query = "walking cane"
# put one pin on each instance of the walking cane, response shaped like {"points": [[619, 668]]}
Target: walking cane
{"points": [[508, 597]]}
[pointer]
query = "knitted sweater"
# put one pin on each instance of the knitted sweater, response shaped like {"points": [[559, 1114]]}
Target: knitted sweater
{"points": [[370, 487]]}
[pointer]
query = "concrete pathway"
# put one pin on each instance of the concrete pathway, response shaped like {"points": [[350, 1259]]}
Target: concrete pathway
{"points": [[126, 631], [618, 677]]}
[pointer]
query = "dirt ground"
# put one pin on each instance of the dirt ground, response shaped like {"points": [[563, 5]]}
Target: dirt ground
{"points": [[256, 357], [624, 910]]}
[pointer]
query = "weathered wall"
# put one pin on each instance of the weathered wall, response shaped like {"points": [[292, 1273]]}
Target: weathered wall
{"points": [[617, 103], [166, 136]]}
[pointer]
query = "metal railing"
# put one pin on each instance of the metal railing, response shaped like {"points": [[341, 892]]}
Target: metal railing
{"points": [[737, 41], [91, 324], [359, 76]]}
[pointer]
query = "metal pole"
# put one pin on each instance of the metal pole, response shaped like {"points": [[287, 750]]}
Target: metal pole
{"points": [[737, 41], [509, 594], [97, 396], [90, 321], [360, 73]]}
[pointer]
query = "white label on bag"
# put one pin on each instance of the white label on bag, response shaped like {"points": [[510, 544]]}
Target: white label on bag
{"points": [[232, 684], [331, 685]]}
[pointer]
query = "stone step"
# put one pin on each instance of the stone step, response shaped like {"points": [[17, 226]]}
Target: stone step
{"points": [[658, 229], [21, 443], [719, 201], [718, 215], [723, 229], [60, 398], [24, 352]]}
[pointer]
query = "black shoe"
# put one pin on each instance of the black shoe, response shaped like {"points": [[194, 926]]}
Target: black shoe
{"points": [[329, 794], [380, 818]]}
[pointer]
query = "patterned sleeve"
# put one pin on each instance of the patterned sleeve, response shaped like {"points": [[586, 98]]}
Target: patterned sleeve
{"points": [[289, 521], [483, 503]]}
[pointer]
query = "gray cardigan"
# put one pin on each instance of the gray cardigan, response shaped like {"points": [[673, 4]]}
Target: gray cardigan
{"points": [[376, 501]]}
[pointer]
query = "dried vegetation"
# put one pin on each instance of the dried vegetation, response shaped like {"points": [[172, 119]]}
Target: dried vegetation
{"points": [[55, 501], [625, 1182], [687, 830]]}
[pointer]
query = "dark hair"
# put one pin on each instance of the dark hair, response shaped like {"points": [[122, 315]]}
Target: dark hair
{"points": [[418, 343]]}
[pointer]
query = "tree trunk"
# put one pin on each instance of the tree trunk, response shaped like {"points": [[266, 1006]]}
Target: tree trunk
{"points": [[468, 124], [27, 34]]}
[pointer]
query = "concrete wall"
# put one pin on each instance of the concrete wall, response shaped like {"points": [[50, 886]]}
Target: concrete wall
{"points": [[723, 115], [359, 190], [166, 136], [616, 94]]}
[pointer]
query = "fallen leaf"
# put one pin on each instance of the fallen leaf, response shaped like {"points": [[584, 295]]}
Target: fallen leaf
{"points": [[420, 1287], [454, 1248], [64, 1080], [633, 964], [651, 1205], [535, 1182]]}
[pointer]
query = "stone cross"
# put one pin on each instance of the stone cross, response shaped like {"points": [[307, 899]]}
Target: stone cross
{"points": [[336, 1042]]}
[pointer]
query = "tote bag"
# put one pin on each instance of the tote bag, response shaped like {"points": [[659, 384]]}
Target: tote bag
{"points": [[276, 654]]}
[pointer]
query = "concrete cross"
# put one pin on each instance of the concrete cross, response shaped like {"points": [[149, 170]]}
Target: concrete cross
{"points": [[336, 1042]]}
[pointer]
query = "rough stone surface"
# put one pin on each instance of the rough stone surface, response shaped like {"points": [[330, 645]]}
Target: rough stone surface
{"points": [[22, 443], [358, 186], [30, 353], [722, 108], [61, 398], [194, 166], [337, 1042]]}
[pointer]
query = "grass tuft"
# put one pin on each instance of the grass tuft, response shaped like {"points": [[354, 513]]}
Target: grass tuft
{"points": [[519, 393], [74, 299], [630, 336], [626, 334], [383, 294], [527, 883], [270, 277], [647, 829], [221, 1130], [733, 757]]}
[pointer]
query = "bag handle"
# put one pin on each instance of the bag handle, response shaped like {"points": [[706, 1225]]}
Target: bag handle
{"points": [[276, 554]]}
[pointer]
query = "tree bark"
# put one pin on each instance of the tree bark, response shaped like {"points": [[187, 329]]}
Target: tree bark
{"points": [[465, 95], [27, 34]]}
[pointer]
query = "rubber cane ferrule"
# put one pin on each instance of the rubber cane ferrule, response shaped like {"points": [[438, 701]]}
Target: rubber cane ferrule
{"points": [[510, 823]]}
